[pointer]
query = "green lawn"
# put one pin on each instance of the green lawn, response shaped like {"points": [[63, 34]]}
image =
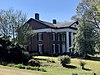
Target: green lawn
{"points": [[55, 68]]}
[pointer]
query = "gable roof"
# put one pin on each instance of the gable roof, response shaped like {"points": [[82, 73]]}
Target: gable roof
{"points": [[54, 26]]}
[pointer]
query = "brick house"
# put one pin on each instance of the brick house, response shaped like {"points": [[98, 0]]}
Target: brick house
{"points": [[50, 38]]}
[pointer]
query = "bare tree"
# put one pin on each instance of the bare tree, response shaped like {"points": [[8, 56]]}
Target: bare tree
{"points": [[10, 20]]}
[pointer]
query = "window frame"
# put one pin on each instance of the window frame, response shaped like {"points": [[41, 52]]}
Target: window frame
{"points": [[53, 48], [53, 36], [40, 48], [40, 36]]}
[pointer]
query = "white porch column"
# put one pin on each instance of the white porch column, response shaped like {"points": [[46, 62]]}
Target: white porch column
{"points": [[72, 39], [67, 41]]}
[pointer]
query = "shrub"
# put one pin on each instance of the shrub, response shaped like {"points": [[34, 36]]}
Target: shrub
{"points": [[94, 73], [29, 67], [4, 63], [82, 64], [25, 57], [65, 60], [12, 52], [74, 74], [50, 61], [21, 66], [11, 65], [35, 68], [33, 62], [43, 70]]}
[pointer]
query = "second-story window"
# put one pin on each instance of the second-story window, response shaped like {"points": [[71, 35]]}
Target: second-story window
{"points": [[63, 37], [40, 36], [58, 37], [53, 36]]}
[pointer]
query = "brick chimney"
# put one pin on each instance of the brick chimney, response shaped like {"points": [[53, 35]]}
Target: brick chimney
{"points": [[37, 16], [54, 21]]}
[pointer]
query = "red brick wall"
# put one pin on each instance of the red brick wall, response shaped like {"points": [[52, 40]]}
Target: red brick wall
{"points": [[47, 42]]}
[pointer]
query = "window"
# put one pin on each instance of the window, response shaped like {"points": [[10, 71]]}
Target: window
{"points": [[53, 36], [63, 37], [40, 36], [58, 37], [58, 45], [53, 48], [40, 48], [63, 48]]}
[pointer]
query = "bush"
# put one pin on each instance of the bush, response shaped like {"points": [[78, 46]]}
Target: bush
{"points": [[33, 62], [35, 68], [43, 70], [29, 67], [74, 74], [82, 64], [11, 65], [21, 66], [4, 63], [25, 57], [65, 60], [12, 52], [94, 73], [50, 61]]}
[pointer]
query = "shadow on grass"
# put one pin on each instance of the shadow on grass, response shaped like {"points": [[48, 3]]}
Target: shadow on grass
{"points": [[91, 58], [70, 66], [87, 69], [40, 59], [95, 58]]}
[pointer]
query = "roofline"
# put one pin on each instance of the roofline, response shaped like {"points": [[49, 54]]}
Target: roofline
{"points": [[54, 27], [39, 22], [65, 27]]}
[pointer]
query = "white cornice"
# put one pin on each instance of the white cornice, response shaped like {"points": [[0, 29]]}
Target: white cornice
{"points": [[54, 30]]}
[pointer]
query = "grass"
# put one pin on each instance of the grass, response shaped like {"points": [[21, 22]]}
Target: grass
{"points": [[56, 68]]}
